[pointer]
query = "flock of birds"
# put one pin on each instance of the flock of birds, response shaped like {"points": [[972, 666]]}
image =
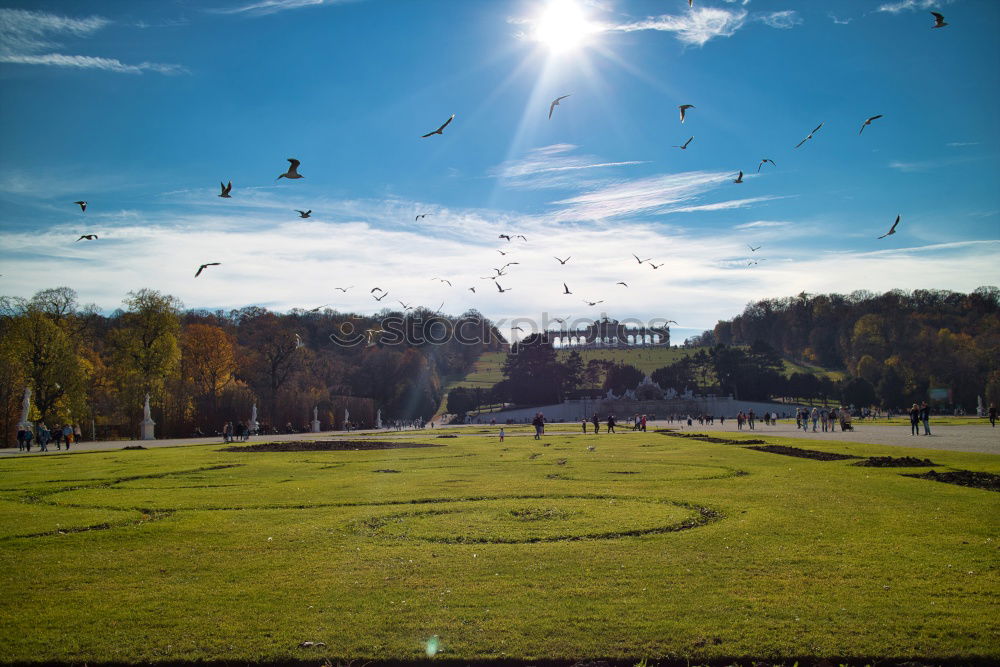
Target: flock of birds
{"points": [[379, 294]]}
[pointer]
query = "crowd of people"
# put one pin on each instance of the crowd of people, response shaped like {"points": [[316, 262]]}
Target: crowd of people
{"points": [[43, 435]]}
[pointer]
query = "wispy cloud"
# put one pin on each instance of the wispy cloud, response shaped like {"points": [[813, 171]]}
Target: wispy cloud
{"points": [[25, 35], [911, 5], [695, 27], [928, 165], [762, 224], [959, 144], [264, 7], [721, 205], [839, 21], [783, 20], [551, 167], [650, 194]]}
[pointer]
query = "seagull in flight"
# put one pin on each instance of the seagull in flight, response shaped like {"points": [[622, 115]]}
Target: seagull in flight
{"points": [[318, 308], [764, 160], [304, 214], [517, 329], [82, 204], [810, 135], [443, 281], [343, 289], [205, 266], [684, 108], [292, 170], [555, 103], [752, 249], [562, 261], [655, 266], [504, 236], [472, 289], [593, 303], [685, 145], [739, 179], [892, 230], [379, 298], [938, 20], [640, 260], [501, 289], [421, 216], [376, 289], [566, 289], [405, 306], [226, 189], [502, 253], [440, 130], [868, 122], [89, 237], [522, 237], [621, 283]]}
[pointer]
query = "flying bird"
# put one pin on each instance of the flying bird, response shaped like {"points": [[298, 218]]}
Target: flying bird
{"points": [[555, 103], [762, 161], [89, 237], [685, 145], [938, 20], [292, 170], [593, 303], [739, 179], [562, 261], [640, 260], [440, 130], [472, 289], [655, 266], [318, 308], [684, 108], [566, 289], [376, 289], [379, 298], [205, 266], [501, 289], [892, 230], [621, 283], [752, 249], [226, 189], [444, 281], [82, 204], [405, 306], [304, 214], [868, 122], [502, 253], [517, 329], [810, 135], [522, 237], [421, 216], [504, 236], [343, 289]]}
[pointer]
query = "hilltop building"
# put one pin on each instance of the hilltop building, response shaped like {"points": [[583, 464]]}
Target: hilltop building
{"points": [[608, 333]]}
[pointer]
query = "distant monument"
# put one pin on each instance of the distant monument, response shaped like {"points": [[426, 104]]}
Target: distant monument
{"points": [[315, 421], [378, 418], [23, 424], [254, 425], [148, 425], [347, 419]]}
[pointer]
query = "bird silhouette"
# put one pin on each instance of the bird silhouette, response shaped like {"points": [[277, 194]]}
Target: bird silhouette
{"points": [[684, 108], [555, 103], [762, 161], [810, 135], [868, 122], [504, 236], [304, 214], [655, 266], [343, 289], [684, 146], [566, 289], [501, 289], [226, 189], [522, 237], [89, 237], [440, 130], [82, 204], [752, 249], [472, 289], [621, 283], [376, 289], [739, 179], [379, 298], [639, 260], [562, 261], [405, 306], [421, 216], [293, 166], [318, 308], [593, 303], [938, 20], [892, 230], [204, 266]]}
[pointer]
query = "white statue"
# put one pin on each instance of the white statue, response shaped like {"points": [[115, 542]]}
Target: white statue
{"points": [[378, 418], [147, 426], [254, 426], [24, 424], [315, 421], [146, 414], [670, 393]]}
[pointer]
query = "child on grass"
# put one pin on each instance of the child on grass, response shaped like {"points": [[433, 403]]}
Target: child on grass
{"points": [[501, 434]]}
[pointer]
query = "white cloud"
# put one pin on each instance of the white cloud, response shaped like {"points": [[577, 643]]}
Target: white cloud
{"points": [[694, 27], [762, 224], [722, 205], [24, 38], [784, 20], [648, 194], [911, 5], [959, 144], [551, 167], [264, 7], [839, 21]]}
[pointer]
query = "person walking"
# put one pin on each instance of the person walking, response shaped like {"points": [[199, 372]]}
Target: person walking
{"points": [[537, 422], [993, 415], [611, 423], [43, 436], [925, 417], [644, 423], [77, 433], [501, 434], [20, 439], [815, 417], [750, 418], [595, 420], [68, 435], [914, 419], [28, 435], [583, 423]]}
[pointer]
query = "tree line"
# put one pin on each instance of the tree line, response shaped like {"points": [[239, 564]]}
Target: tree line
{"points": [[202, 368]]}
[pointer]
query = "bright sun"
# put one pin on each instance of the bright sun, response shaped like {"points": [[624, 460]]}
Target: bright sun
{"points": [[562, 26]]}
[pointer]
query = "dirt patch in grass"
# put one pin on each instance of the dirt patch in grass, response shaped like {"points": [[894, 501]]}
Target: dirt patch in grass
{"points": [[385, 470], [976, 480], [325, 446], [895, 462], [804, 453], [446, 436], [134, 447], [701, 437]]}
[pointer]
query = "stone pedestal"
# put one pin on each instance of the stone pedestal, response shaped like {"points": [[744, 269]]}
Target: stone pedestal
{"points": [[315, 426], [148, 427]]}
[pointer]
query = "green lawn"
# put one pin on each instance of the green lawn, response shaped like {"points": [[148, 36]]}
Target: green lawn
{"points": [[646, 547]]}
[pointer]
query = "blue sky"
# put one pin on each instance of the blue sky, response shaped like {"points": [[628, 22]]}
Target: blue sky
{"points": [[141, 108]]}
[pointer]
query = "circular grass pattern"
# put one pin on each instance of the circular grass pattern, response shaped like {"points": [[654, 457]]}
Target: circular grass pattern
{"points": [[526, 519]]}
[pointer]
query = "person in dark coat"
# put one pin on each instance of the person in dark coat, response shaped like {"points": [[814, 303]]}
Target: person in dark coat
{"points": [[914, 419], [596, 422], [925, 417]]}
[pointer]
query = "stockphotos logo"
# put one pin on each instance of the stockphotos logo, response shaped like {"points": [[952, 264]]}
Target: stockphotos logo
{"points": [[437, 330]]}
